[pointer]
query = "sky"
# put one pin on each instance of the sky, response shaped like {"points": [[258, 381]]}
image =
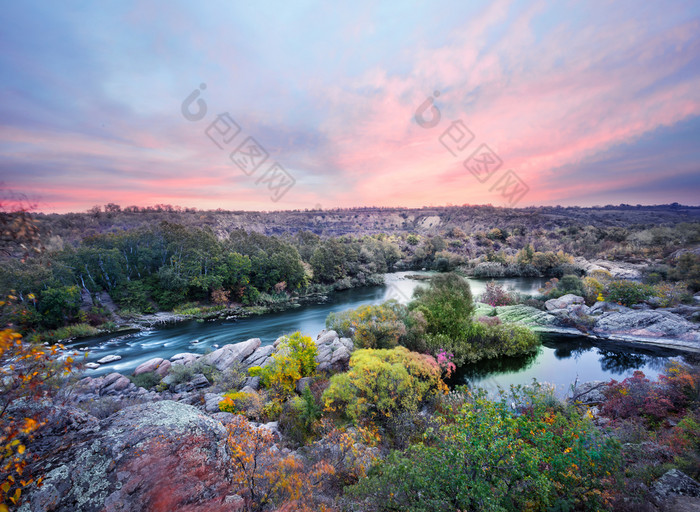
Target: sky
{"points": [[295, 105]]}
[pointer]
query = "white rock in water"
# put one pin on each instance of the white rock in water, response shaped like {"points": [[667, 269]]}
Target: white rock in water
{"points": [[91, 366], [109, 359]]}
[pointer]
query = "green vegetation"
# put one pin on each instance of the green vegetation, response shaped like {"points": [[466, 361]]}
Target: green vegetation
{"points": [[486, 456], [371, 326], [446, 309], [383, 383], [295, 358]]}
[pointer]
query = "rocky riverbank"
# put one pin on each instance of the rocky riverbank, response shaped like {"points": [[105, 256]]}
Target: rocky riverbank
{"points": [[662, 327]]}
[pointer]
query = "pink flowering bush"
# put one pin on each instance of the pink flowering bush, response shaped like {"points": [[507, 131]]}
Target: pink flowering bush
{"points": [[496, 295]]}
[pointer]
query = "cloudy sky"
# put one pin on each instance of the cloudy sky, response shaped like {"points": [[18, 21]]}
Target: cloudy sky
{"points": [[572, 103]]}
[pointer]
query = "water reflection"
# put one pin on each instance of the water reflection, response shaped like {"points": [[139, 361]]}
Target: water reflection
{"points": [[562, 360]]}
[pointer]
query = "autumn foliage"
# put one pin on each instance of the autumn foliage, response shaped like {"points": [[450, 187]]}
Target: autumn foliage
{"points": [[28, 374]]}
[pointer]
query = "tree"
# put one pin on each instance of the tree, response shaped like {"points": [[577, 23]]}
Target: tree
{"points": [[447, 305]]}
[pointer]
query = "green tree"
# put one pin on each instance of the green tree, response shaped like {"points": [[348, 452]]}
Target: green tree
{"points": [[447, 305]]}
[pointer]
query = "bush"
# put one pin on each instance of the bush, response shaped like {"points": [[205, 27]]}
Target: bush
{"points": [[370, 326], [247, 404], [496, 295], [637, 397], [671, 294], [146, 380], [294, 358], [628, 293], [489, 457], [300, 416], [446, 305], [382, 383], [484, 341], [30, 375], [592, 288], [688, 269]]}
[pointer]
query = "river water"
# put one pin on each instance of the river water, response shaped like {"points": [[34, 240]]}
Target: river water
{"points": [[560, 360]]}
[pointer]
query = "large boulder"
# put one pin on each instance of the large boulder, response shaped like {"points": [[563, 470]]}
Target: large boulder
{"points": [[563, 302], [159, 456], [675, 491], [617, 269], [261, 357], [647, 323], [333, 351], [114, 383], [157, 365], [229, 355]]}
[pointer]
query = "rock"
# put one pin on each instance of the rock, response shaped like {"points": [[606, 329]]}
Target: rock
{"points": [[563, 302], [647, 323], [348, 344], [163, 368], [124, 462], [185, 358], [674, 484], [326, 337], [211, 402], [228, 355], [91, 366], [302, 384], [252, 382], [248, 389], [617, 269], [157, 365], [224, 417], [260, 357], [590, 392], [332, 353], [109, 359], [199, 381], [273, 427], [604, 307]]}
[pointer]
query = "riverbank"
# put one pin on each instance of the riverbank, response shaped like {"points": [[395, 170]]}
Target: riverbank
{"points": [[604, 322]]}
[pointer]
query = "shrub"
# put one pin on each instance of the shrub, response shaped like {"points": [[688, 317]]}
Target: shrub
{"points": [[370, 326], [268, 477], [671, 294], [238, 402], [496, 295], [382, 383], [294, 358], [145, 380], [637, 397], [489, 457], [483, 341], [591, 289], [30, 376], [300, 416], [688, 269], [446, 305], [628, 293]]}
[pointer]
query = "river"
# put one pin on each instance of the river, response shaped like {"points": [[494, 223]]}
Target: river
{"points": [[560, 360]]}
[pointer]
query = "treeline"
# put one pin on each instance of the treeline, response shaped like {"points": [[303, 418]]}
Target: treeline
{"points": [[165, 266]]}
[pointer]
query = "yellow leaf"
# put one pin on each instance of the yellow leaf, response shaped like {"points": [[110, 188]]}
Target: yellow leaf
{"points": [[20, 449]]}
